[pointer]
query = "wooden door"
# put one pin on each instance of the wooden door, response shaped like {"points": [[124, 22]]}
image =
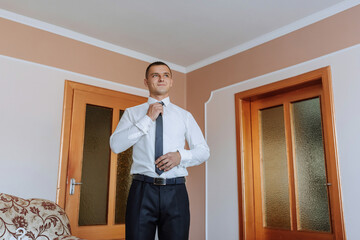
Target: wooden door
{"points": [[291, 184], [97, 180], [309, 91]]}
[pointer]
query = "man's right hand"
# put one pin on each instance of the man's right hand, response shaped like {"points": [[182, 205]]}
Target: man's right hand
{"points": [[154, 110]]}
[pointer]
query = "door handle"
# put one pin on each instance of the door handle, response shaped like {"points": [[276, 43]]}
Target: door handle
{"points": [[72, 185]]}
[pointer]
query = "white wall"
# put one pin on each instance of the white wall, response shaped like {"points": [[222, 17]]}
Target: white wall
{"points": [[222, 205], [31, 101]]}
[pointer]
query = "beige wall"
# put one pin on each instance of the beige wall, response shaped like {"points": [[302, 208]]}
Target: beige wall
{"points": [[334, 33], [34, 45], [329, 35]]}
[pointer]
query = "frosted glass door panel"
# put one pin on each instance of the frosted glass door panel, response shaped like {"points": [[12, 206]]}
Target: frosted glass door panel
{"points": [[312, 196], [123, 182], [95, 167], [275, 186]]}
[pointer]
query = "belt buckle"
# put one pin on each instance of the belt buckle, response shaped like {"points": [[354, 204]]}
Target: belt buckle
{"points": [[160, 181]]}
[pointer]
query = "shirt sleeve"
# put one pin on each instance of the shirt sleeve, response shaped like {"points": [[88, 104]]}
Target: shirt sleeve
{"points": [[199, 150], [128, 132]]}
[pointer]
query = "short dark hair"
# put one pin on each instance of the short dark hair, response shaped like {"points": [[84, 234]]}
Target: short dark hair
{"points": [[157, 63]]}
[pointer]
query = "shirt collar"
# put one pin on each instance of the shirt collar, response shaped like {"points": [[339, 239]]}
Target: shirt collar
{"points": [[166, 101]]}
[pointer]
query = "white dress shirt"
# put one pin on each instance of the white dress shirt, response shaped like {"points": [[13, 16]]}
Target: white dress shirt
{"points": [[137, 129]]}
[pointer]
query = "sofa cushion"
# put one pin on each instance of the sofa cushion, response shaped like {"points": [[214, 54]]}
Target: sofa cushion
{"points": [[41, 219]]}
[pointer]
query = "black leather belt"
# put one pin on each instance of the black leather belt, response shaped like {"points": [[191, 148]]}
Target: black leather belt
{"points": [[159, 181]]}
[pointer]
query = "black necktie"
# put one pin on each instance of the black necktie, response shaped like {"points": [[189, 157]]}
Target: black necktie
{"points": [[159, 140]]}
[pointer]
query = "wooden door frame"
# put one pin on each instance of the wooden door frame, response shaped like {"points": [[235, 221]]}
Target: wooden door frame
{"points": [[246, 199], [69, 91]]}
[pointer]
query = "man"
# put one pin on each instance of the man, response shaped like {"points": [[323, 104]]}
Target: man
{"points": [[157, 130]]}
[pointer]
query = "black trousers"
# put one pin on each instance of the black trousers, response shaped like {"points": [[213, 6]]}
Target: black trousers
{"points": [[150, 206]]}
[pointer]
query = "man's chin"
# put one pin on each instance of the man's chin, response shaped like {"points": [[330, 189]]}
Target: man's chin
{"points": [[162, 92]]}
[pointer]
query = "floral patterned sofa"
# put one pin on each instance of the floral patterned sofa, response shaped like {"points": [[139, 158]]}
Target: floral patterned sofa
{"points": [[32, 219]]}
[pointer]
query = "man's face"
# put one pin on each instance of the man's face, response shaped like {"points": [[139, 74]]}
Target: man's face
{"points": [[159, 81]]}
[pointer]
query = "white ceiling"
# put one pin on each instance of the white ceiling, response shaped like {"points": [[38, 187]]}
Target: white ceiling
{"points": [[188, 34]]}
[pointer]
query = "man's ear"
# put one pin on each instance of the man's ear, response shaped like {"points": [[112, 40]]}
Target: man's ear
{"points": [[145, 82]]}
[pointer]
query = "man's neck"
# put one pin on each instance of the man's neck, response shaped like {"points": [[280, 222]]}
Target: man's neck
{"points": [[159, 97]]}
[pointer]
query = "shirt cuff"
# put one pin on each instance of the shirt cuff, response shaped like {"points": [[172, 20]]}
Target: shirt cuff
{"points": [[144, 124], [186, 156]]}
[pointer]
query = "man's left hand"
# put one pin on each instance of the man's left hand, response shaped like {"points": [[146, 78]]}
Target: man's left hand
{"points": [[167, 161]]}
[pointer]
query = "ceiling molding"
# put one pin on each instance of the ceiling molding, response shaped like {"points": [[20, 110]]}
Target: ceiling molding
{"points": [[337, 8], [84, 38]]}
